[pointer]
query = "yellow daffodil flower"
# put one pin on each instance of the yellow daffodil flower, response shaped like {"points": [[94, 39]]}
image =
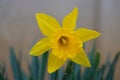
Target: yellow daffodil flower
{"points": [[65, 43]]}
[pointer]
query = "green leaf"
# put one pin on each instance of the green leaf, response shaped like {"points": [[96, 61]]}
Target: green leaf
{"points": [[2, 72], [77, 71], [92, 52], [43, 66], [1, 77], [107, 64], [99, 75], [60, 73], [24, 76], [57, 75], [54, 75], [111, 71], [89, 72], [96, 60], [35, 67], [2, 69], [15, 65]]}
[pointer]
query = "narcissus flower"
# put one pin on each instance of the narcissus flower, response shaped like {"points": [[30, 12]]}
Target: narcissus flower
{"points": [[64, 42]]}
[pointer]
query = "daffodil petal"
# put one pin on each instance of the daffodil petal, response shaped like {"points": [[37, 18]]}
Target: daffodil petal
{"points": [[54, 63], [69, 21], [47, 23], [82, 59], [87, 34], [40, 47]]}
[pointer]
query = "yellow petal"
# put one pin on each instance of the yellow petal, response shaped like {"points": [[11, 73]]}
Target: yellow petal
{"points": [[47, 24], [82, 59], [40, 47], [69, 21], [87, 34], [54, 63]]}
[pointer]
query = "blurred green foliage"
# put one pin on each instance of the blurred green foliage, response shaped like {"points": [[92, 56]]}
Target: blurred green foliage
{"points": [[38, 65]]}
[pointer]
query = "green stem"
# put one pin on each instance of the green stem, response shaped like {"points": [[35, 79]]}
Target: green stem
{"points": [[69, 73]]}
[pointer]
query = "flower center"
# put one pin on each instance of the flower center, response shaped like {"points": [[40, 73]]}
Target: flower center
{"points": [[63, 40]]}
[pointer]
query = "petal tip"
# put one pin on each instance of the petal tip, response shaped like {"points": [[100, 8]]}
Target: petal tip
{"points": [[98, 34], [75, 8], [31, 54], [36, 14], [50, 70], [89, 65]]}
